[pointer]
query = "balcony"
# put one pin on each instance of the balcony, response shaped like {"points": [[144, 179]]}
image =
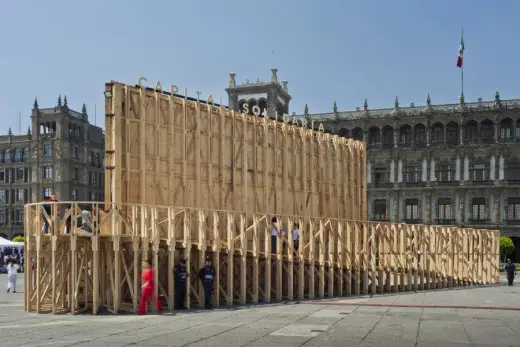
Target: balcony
{"points": [[413, 221], [448, 183], [383, 184], [374, 145], [404, 144], [480, 183], [445, 221], [512, 182], [479, 222], [388, 145], [513, 222], [413, 184]]}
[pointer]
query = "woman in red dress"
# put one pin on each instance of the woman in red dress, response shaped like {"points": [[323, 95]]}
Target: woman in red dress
{"points": [[148, 289]]}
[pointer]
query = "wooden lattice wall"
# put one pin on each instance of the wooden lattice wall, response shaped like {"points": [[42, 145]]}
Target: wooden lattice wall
{"points": [[170, 151]]}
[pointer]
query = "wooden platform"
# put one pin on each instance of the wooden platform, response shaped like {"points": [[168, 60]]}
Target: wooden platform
{"points": [[79, 271]]}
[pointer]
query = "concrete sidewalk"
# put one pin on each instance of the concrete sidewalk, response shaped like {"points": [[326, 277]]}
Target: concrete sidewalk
{"points": [[338, 322]]}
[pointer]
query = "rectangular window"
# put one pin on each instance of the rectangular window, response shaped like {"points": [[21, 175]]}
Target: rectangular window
{"points": [[75, 173], [445, 173], [47, 192], [478, 209], [2, 195], [94, 178], [479, 172], [513, 209], [444, 210], [411, 174], [19, 217], [26, 174], [380, 209], [19, 174], [93, 196], [412, 209], [47, 172], [20, 195], [47, 150], [74, 152], [2, 174], [2, 217], [506, 133]]}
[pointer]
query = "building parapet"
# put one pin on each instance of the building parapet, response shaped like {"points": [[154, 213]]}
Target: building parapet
{"points": [[479, 106]]}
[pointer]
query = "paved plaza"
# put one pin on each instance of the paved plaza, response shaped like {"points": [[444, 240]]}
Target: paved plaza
{"points": [[418, 319]]}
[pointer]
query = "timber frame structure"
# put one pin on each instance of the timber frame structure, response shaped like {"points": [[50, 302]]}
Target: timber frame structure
{"points": [[189, 178]]}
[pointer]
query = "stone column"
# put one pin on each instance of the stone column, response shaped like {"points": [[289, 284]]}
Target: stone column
{"points": [[396, 208], [427, 220], [462, 202]]}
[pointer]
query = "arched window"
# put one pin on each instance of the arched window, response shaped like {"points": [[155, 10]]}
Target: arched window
{"points": [[357, 134], [405, 135], [25, 154], [7, 155], [17, 155], [437, 133], [388, 136], [374, 136]]}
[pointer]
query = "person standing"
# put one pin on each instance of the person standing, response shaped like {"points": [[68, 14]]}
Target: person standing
{"points": [[510, 269], [148, 289], [207, 275], [275, 234], [181, 276], [12, 272]]}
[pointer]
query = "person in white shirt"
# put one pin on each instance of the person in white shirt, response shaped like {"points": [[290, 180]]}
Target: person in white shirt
{"points": [[296, 236], [12, 271]]}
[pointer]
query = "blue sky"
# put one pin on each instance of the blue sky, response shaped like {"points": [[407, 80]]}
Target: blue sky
{"points": [[328, 50]]}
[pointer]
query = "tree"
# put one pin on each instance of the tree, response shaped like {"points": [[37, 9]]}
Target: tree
{"points": [[506, 246], [18, 238]]}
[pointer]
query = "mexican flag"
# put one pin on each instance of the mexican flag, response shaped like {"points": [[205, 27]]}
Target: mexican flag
{"points": [[461, 52]]}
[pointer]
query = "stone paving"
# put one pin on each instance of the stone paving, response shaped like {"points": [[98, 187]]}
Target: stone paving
{"points": [[334, 322]]}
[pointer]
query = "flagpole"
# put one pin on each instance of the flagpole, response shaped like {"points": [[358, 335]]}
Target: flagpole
{"points": [[462, 68]]}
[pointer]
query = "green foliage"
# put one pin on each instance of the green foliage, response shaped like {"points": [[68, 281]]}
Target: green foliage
{"points": [[19, 238], [506, 246]]}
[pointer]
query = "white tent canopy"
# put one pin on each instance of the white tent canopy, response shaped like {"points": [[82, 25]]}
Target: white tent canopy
{"points": [[6, 243]]}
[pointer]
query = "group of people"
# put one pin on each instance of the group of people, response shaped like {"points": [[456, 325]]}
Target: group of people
{"points": [[181, 276], [7, 253], [81, 222], [276, 233]]}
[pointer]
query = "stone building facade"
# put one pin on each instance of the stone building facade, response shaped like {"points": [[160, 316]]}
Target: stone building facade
{"points": [[61, 154], [456, 164]]}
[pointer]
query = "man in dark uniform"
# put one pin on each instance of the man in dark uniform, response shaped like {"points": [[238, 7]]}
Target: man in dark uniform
{"points": [[181, 275], [207, 275], [510, 268]]}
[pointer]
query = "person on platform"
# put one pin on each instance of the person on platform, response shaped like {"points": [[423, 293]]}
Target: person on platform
{"points": [[47, 208], [181, 276], [275, 234], [510, 269], [296, 236], [12, 272], [207, 275], [148, 292]]}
